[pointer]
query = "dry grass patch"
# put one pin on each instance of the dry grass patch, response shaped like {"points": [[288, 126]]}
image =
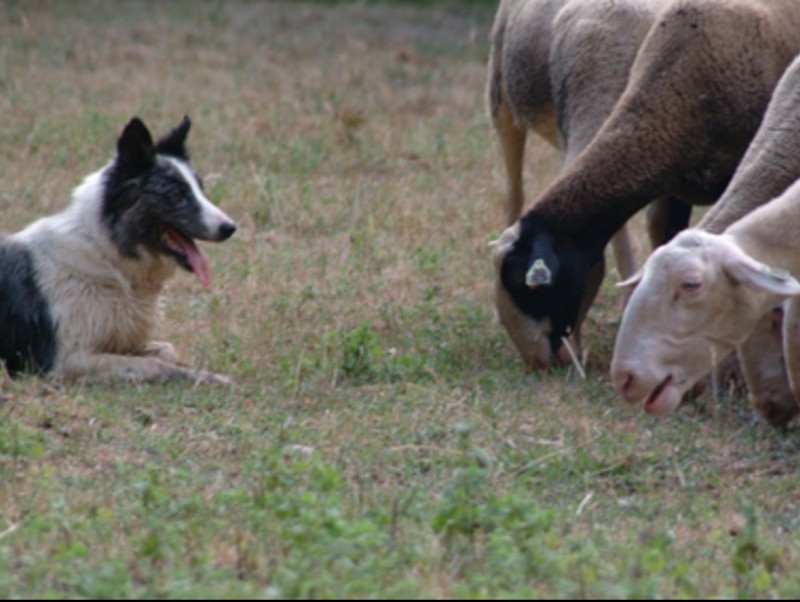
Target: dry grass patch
{"points": [[382, 439]]}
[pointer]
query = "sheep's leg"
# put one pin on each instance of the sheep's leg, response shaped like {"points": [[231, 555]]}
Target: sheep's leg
{"points": [[624, 255], [791, 345], [512, 141], [132, 369], [665, 218]]}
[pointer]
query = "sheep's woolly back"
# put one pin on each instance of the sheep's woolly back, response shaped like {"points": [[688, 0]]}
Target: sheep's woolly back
{"points": [[771, 163], [663, 137]]}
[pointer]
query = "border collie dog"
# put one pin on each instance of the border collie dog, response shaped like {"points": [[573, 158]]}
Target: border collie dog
{"points": [[79, 289]]}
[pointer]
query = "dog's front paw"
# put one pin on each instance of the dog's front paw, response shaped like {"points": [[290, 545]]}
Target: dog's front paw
{"points": [[202, 377], [163, 351]]}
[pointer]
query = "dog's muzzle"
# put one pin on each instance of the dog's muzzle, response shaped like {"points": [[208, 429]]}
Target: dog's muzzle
{"points": [[225, 231]]}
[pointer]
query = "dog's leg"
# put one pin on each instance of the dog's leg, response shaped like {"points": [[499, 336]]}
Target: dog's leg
{"points": [[108, 367], [163, 351]]}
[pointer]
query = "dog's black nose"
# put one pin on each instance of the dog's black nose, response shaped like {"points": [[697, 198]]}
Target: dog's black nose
{"points": [[226, 230]]}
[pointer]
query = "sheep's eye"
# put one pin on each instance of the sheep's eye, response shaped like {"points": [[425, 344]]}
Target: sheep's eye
{"points": [[691, 286]]}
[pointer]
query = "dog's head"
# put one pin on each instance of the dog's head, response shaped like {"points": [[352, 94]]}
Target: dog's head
{"points": [[152, 199]]}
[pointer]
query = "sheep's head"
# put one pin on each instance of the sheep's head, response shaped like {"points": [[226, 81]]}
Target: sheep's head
{"points": [[694, 301], [543, 287], [762, 360]]}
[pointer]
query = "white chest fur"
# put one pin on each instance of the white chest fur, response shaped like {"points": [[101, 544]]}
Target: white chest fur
{"points": [[101, 302]]}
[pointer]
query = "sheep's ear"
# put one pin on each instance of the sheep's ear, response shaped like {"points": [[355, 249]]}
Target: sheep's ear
{"points": [[509, 236], [502, 245], [743, 269], [632, 281]]}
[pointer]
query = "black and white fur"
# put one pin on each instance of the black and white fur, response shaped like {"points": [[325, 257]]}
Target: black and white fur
{"points": [[79, 290]]}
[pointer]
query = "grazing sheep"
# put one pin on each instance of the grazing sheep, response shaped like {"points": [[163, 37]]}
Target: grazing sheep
{"points": [[655, 341], [546, 74], [703, 294], [697, 90], [771, 164]]}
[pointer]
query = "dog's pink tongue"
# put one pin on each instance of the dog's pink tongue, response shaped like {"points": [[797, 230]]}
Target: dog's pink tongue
{"points": [[200, 265], [198, 261]]}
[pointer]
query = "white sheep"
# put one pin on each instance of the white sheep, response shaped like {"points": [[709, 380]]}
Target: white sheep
{"points": [[689, 308], [700, 297]]}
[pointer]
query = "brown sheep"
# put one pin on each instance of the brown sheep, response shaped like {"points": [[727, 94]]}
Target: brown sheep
{"points": [[545, 73], [696, 93]]}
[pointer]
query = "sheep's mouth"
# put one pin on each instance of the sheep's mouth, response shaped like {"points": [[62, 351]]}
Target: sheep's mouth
{"points": [[659, 390], [186, 254], [664, 398]]}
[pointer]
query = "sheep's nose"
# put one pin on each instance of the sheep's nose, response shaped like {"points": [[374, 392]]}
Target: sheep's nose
{"points": [[226, 230], [624, 382]]}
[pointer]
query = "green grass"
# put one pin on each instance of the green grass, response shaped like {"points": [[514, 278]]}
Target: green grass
{"points": [[382, 439]]}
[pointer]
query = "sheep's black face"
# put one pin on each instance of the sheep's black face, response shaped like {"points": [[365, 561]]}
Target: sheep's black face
{"points": [[546, 278]]}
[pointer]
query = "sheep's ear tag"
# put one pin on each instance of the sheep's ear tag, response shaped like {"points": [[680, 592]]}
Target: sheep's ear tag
{"points": [[780, 275], [538, 275]]}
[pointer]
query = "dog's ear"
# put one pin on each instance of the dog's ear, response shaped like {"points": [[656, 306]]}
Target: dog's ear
{"points": [[135, 146], [174, 143]]}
